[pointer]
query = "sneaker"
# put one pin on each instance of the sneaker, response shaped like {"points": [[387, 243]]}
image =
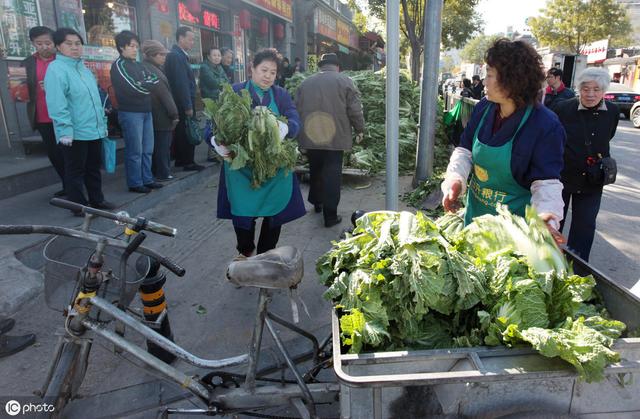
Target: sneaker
{"points": [[105, 205], [140, 189], [154, 185], [193, 168]]}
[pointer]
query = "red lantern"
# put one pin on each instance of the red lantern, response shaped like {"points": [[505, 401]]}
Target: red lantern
{"points": [[264, 26], [245, 19], [278, 31]]}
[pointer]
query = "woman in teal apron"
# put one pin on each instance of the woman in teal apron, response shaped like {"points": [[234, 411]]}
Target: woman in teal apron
{"points": [[512, 145], [278, 200]]}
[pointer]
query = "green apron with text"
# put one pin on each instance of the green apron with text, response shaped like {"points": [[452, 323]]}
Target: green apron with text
{"points": [[492, 182], [271, 197]]}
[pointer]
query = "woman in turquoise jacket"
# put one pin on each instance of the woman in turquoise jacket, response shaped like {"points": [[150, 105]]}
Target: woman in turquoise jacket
{"points": [[78, 119]]}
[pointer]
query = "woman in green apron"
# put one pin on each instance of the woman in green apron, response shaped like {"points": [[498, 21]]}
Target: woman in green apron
{"points": [[512, 145], [278, 200]]}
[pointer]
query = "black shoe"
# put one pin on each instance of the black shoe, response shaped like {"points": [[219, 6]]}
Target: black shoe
{"points": [[140, 189], [166, 179], [105, 205], [9, 345], [6, 324], [317, 208], [193, 168], [153, 185], [331, 223], [60, 193]]}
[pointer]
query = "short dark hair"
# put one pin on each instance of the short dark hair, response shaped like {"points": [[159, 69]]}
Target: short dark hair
{"points": [[475, 77], [297, 59], [209, 51], [182, 32], [37, 31], [466, 82], [124, 38], [267, 54], [555, 72], [61, 34], [519, 69], [224, 50]]}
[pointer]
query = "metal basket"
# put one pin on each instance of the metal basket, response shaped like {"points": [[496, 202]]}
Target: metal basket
{"points": [[65, 260]]}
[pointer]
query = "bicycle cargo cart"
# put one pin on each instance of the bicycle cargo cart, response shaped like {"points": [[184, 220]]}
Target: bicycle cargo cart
{"points": [[491, 382]]}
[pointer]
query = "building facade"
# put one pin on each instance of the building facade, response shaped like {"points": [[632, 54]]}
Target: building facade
{"points": [[297, 28]]}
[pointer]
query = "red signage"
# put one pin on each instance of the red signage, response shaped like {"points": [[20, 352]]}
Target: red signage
{"points": [[185, 15], [280, 8], [210, 19]]}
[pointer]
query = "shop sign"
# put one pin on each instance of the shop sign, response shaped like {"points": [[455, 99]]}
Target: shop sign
{"points": [[342, 32], [326, 24], [161, 5], [18, 16], [280, 8], [208, 18], [98, 53], [354, 39], [595, 51]]}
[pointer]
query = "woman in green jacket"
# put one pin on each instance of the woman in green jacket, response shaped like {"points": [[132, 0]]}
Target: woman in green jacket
{"points": [[212, 78], [74, 106]]}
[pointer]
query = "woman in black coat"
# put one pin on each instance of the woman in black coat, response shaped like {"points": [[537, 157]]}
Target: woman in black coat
{"points": [[590, 123]]}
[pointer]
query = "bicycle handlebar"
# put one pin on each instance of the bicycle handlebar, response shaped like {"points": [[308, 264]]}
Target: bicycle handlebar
{"points": [[139, 222], [69, 232]]}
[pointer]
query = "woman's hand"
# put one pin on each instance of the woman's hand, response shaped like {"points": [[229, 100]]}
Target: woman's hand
{"points": [[219, 148], [553, 225], [450, 200], [284, 129]]}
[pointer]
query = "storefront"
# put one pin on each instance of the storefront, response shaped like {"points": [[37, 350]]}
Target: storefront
{"points": [[211, 23], [333, 34]]}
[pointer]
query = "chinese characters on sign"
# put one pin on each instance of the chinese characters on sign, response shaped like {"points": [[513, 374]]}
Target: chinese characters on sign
{"points": [[18, 16], [595, 51], [342, 32], [210, 19], [185, 15], [326, 24], [281, 8]]}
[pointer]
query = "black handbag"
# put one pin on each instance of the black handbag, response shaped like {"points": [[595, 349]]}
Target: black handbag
{"points": [[600, 170]]}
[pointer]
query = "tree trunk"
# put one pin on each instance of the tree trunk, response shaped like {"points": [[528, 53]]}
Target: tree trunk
{"points": [[416, 53]]}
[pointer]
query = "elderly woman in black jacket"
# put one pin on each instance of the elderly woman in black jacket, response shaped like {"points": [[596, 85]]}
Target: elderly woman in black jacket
{"points": [[164, 109], [590, 123]]}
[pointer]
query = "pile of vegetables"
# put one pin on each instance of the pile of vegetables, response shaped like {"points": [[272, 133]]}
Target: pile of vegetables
{"points": [[401, 280], [370, 154], [252, 136]]}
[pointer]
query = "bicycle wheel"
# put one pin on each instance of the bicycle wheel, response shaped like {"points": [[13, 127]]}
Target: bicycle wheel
{"points": [[66, 378]]}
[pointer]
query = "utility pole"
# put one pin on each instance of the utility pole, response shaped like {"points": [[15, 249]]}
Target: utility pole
{"points": [[429, 93], [393, 102]]}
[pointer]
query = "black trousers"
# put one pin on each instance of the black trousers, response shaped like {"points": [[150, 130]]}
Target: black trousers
{"points": [[268, 237], [184, 151], [325, 171], [82, 170], [161, 154], [584, 211], [54, 150]]}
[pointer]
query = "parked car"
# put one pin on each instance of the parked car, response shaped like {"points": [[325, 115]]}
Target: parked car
{"points": [[635, 114], [622, 96]]}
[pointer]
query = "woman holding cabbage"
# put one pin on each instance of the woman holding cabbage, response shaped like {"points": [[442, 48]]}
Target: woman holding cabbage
{"points": [[512, 146], [277, 200]]}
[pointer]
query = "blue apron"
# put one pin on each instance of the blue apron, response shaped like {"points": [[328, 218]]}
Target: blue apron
{"points": [[271, 197]]}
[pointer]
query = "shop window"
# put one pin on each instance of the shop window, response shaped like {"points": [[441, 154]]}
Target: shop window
{"points": [[103, 20]]}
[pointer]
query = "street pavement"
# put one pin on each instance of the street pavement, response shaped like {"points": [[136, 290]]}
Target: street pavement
{"points": [[213, 319]]}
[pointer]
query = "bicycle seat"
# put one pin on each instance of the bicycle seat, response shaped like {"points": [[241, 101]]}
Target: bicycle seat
{"points": [[279, 268]]}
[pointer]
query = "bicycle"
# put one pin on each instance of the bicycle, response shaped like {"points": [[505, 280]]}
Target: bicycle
{"points": [[97, 309]]}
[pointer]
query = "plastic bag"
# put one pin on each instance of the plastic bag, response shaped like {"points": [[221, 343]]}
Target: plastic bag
{"points": [[109, 154]]}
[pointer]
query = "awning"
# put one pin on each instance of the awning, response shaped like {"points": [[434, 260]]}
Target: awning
{"points": [[622, 60]]}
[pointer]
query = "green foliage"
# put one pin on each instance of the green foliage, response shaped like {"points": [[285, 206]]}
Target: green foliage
{"points": [[252, 136], [474, 50], [402, 281], [572, 24]]}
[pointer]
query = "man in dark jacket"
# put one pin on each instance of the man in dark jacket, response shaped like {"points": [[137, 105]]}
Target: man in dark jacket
{"points": [[329, 106], [183, 86], [132, 84], [556, 91], [477, 88], [36, 66], [590, 123]]}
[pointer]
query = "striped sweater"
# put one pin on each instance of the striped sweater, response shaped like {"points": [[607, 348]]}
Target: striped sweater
{"points": [[132, 84]]}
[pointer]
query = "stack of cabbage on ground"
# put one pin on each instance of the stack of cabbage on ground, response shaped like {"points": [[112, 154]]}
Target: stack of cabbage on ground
{"points": [[401, 280]]}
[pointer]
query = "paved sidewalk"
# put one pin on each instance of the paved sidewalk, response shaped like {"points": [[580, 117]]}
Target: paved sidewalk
{"points": [[210, 317]]}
